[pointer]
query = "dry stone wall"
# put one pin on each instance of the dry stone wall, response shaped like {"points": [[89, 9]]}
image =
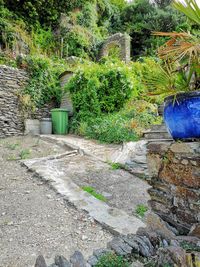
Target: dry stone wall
{"points": [[175, 179], [11, 81]]}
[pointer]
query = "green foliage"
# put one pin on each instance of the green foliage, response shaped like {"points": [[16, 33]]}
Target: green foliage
{"points": [[44, 85], [142, 17], [45, 12], [113, 128], [116, 165], [92, 192], [141, 210], [112, 260], [101, 88], [77, 42], [104, 98], [12, 146], [190, 8], [24, 153]]}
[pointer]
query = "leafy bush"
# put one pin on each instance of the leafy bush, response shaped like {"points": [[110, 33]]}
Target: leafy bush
{"points": [[126, 125], [113, 128], [112, 260], [101, 88], [104, 98], [44, 84]]}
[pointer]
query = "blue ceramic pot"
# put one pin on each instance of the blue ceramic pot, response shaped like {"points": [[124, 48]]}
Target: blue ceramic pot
{"points": [[182, 115]]}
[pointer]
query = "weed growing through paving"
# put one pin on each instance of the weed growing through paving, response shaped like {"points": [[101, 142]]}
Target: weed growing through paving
{"points": [[112, 260], [141, 210], [12, 157], [116, 165], [12, 146], [24, 153], [92, 192]]}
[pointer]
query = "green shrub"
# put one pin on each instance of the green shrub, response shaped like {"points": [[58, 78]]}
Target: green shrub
{"points": [[101, 88], [113, 128], [104, 98], [44, 85], [112, 260]]}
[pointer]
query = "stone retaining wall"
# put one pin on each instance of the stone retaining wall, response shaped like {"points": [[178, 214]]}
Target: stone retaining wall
{"points": [[11, 81], [175, 179]]}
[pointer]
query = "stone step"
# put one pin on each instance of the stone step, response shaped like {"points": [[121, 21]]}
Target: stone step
{"points": [[156, 135], [159, 140], [159, 127]]}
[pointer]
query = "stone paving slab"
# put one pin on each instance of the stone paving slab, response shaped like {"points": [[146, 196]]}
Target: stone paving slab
{"points": [[103, 152], [59, 173], [132, 154]]}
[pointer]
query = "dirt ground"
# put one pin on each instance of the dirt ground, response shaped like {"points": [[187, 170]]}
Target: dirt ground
{"points": [[33, 218]]}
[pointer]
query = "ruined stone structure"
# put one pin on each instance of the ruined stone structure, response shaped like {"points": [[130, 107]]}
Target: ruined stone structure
{"points": [[122, 41], [175, 178], [66, 101], [12, 80]]}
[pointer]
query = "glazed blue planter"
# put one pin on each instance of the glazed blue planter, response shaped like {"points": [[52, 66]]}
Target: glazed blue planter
{"points": [[182, 115]]}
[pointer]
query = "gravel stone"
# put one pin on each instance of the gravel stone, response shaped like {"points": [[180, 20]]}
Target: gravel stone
{"points": [[40, 226]]}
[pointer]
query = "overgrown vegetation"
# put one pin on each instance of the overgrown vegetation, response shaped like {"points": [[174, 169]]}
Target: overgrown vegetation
{"points": [[111, 99], [106, 99]]}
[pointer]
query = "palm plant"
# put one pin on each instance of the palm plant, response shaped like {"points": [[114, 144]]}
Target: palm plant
{"points": [[181, 71]]}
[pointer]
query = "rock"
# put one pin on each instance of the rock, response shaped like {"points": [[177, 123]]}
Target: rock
{"points": [[120, 247], [84, 237], [92, 260], [156, 224], [40, 262], [137, 264], [61, 261], [145, 247], [77, 260], [153, 237], [98, 253], [175, 256], [165, 243], [132, 243], [195, 230], [53, 265]]}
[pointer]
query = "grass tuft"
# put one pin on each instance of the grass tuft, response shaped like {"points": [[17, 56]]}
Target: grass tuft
{"points": [[92, 192]]}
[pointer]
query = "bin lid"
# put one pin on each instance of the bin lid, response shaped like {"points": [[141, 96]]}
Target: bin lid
{"points": [[46, 119], [59, 110]]}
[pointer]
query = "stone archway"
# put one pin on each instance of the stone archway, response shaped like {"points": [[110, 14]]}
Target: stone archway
{"points": [[120, 42]]}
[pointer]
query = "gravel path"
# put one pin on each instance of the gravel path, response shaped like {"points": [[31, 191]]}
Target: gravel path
{"points": [[34, 219]]}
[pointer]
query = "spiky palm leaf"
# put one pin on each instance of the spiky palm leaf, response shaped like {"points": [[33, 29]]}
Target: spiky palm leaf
{"points": [[181, 46], [190, 8]]}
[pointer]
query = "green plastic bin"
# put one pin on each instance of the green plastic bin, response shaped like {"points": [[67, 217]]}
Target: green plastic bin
{"points": [[59, 120]]}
